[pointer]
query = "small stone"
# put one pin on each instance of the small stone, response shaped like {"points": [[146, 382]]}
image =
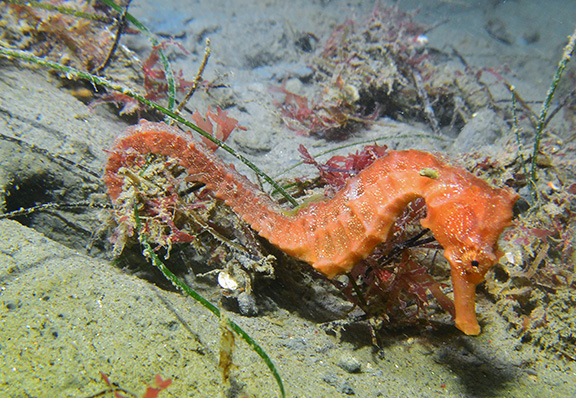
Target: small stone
{"points": [[349, 363], [347, 389], [247, 304]]}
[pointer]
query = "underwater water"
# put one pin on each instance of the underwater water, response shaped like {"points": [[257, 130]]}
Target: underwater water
{"points": [[97, 213]]}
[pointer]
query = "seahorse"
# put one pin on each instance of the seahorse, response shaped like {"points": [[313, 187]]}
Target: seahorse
{"points": [[465, 214]]}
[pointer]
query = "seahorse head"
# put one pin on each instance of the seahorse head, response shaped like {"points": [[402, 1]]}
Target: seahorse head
{"points": [[467, 223]]}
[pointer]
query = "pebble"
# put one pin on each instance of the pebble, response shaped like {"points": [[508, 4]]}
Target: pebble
{"points": [[349, 363]]}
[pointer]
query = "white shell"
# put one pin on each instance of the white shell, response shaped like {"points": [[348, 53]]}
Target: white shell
{"points": [[421, 40], [225, 281]]}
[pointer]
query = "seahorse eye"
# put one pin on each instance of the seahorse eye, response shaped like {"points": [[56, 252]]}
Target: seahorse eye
{"points": [[474, 263]]}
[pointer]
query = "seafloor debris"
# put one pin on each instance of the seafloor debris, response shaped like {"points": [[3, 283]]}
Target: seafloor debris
{"points": [[382, 67], [82, 42]]}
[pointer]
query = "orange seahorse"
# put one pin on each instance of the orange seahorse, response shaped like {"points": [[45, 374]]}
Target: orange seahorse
{"points": [[465, 214]]}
